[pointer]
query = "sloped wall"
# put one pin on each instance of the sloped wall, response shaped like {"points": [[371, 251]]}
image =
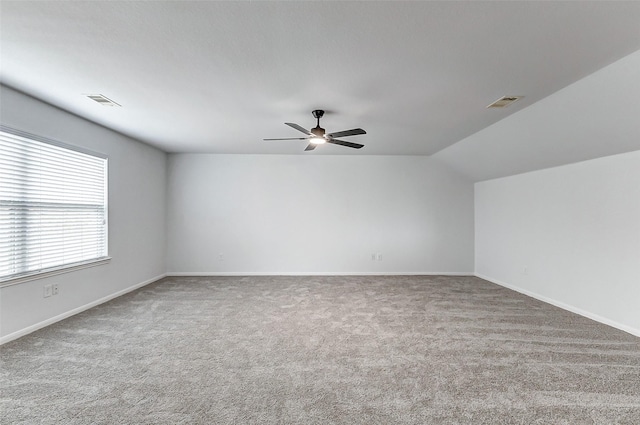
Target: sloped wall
{"points": [[591, 118]]}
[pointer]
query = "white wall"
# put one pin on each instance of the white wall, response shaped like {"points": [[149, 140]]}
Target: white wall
{"points": [[137, 177], [576, 229], [290, 214]]}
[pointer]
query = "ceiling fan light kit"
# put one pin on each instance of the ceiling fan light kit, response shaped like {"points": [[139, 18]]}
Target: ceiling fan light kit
{"points": [[317, 135]]}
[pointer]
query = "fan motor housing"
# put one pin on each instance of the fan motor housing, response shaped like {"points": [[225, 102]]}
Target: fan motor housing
{"points": [[317, 131], [317, 134]]}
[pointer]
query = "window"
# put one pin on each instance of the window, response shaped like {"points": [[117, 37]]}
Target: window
{"points": [[53, 205]]}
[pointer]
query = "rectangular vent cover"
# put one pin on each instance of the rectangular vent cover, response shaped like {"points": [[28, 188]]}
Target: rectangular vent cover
{"points": [[103, 100], [504, 101]]}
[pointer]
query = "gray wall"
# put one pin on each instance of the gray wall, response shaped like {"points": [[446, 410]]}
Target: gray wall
{"points": [[568, 235], [137, 178], [281, 214]]}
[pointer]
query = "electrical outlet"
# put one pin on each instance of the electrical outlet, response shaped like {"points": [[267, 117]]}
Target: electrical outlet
{"points": [[54, 289], [47, 291], [379, 257], [221, 257], [373, 257], [525, 270]]}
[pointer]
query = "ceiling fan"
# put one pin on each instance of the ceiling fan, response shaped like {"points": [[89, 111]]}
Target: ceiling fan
{"points": [[317, 134]]}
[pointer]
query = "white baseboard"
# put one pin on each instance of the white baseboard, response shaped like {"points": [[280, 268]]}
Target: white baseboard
{"points": [[59, 317], [564, 306], [178, 274]]}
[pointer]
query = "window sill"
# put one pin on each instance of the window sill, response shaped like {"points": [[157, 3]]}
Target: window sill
{"points": [[53, 271]]}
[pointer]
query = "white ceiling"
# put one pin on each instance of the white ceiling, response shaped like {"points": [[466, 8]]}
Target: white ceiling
{"points": [[220, 76]]}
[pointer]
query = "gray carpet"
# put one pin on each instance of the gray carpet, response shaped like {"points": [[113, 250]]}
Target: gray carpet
{"points": [[323, 350]]}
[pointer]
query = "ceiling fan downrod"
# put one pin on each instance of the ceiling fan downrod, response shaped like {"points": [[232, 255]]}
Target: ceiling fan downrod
{"points": [[317, 135], [318, 131]]}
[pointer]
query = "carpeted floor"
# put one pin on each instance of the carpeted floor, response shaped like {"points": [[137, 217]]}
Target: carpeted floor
{"points": [[322, 350]]}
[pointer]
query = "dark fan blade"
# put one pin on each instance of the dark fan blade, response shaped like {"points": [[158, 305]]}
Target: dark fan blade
{"points": [[290, 138], [297, 127], [310, 147], [346, 133], [343, 143]]}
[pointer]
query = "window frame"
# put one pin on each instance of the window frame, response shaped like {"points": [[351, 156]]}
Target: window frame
{"points": [[69, 267]]}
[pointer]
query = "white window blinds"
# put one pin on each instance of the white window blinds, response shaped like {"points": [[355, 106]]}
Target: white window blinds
{"points": [[53, 205]]}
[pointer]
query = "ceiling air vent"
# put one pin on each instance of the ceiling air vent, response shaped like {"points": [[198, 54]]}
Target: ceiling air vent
{"points": [[504, 101], [103, 100]]}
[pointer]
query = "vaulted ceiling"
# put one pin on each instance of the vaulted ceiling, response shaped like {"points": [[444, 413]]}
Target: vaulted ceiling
{"points": [[220, 76]]}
